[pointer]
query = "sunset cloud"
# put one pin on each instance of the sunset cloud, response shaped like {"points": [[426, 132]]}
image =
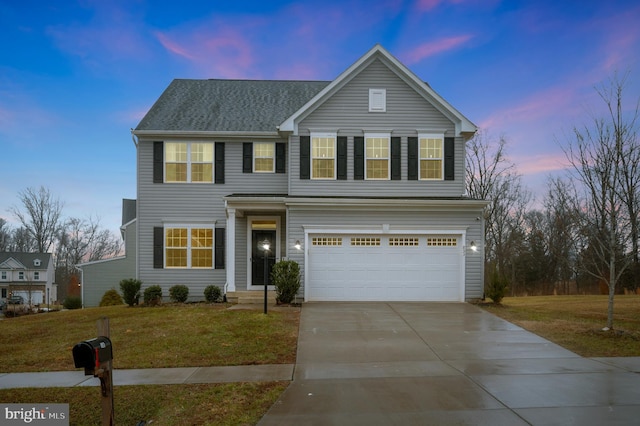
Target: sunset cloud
{"points": [[432, 48]]}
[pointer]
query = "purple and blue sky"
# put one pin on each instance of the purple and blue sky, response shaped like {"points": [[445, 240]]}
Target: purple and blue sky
{"points": [[76, 76]]}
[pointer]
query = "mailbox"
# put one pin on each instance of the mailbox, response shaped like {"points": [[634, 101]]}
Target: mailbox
{"points": [[91, 353]]}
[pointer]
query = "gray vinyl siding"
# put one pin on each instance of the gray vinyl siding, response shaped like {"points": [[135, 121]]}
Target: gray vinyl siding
{"points": [[398, 220], [191, 203], [99, 277], [347, 113]]}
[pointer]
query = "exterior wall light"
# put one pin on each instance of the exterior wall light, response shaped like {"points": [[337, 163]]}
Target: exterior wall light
{"points": [[297, 245], [473, 246]]}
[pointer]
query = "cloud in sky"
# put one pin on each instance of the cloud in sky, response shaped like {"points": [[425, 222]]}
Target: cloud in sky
{"points": [[426, 50]]}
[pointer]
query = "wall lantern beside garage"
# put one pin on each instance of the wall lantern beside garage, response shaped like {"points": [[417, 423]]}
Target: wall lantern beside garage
{"points": [[473, 246], [297, 245]]}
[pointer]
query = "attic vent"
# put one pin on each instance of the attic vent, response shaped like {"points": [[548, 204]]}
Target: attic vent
{"points": [[36, 262], [377, 100]]}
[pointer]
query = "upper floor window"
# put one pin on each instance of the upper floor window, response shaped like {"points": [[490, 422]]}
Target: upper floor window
{"points": [[36, 276], [188, 162], [4, 275], [189, 247], [323, 156], [264, 154], [377, 157], [377, 100], [431, 157], [21, 275]]}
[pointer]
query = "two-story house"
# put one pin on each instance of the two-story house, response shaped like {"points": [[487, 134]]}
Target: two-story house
{"points": [[28, 275], [361, 180]]}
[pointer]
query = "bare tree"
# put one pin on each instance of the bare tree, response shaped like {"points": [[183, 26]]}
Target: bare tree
{"points": [[600, 156], [5, 235], [491, 176], [40, 217], [22, 241]]}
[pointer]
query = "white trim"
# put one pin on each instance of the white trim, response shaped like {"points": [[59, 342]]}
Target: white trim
{"points": [[189, 162], [250, 220], [315, 229], [230, 251], [189, 248], [463, 126]]}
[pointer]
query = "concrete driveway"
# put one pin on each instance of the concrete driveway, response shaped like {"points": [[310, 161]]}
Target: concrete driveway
{"points": [[445, 363]]}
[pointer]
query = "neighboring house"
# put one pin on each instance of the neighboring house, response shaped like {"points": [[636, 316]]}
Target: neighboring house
{"points": [[28, 275], [99, 276], [361, 180]]}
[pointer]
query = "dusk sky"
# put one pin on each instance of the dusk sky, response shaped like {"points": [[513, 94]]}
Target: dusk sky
{"points": [[76, 76]]}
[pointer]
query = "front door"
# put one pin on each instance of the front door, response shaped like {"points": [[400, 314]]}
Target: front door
{"points": [[261, 229]]}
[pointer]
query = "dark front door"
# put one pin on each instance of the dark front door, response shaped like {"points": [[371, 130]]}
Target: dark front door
{"points": [[257, 255]]}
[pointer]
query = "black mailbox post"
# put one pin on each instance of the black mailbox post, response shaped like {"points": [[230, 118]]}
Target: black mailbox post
{"points": [[91, 353]]}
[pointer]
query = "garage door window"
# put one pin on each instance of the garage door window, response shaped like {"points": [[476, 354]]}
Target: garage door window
{"points": [[404, 242], [365, 241], [442, 242], [326, 241]]}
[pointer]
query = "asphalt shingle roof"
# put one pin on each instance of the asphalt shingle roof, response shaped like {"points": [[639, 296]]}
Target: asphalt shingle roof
{"points": [[228, 105]]}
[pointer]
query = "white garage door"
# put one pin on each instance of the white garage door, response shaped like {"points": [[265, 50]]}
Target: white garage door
{"points": [[384, 268]]}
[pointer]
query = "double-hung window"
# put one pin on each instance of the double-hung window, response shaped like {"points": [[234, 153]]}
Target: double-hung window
{"points": [[323, 156], [264, 157], [188, 162], [431, 157], [189, 246], [377, 156]]}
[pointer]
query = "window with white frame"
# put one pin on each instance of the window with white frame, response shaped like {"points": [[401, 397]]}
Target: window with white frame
{"points": [[431, 157], [36, 276], [323, 156], [377, 156], [21, 276], [377, 100], [264, 157], [189, 246], [188, 162], [4, 276]]}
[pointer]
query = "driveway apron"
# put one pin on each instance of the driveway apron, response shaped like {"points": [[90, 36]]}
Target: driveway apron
{"points": [[443, 363]]}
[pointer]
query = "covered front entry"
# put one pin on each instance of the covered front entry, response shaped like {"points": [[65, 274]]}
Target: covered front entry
{"points": [[380, 267], [261, 230]]}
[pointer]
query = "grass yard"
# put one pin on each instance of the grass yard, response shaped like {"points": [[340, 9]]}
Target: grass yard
{"points": [[166, 336], [192, 335], [576, 322]]}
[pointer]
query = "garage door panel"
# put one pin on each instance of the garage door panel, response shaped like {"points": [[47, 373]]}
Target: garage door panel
{"points": [[384, 268]]}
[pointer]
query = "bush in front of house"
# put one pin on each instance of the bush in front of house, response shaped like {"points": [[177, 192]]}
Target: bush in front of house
{"points": [[179, 293], [497, 288], [72, 302], [130, 291], [111, 298], [285, 276], [153, 295], [212, 294]]}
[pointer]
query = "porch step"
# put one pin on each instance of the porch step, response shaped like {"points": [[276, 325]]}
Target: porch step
{"points": [[250, 297]]}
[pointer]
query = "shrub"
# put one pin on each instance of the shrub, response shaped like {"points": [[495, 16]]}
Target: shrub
{"points": [[179, 293], [212, 294], [153, 295], [131, 291], [72, 302], [497, 288], [285, 276], [111, 298]]}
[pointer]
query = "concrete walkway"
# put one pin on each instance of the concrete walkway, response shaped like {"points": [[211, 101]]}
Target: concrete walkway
{"points": [[445, 363]]}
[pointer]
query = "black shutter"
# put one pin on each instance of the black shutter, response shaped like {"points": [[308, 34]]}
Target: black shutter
{"points": [[342, 158], [358, 158], [305, 157], [281, 157], [247, 157], [396, 171], [220, 248], [449, 159], [219, 162], [412, 165], [158, 247], [158, 162]]}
